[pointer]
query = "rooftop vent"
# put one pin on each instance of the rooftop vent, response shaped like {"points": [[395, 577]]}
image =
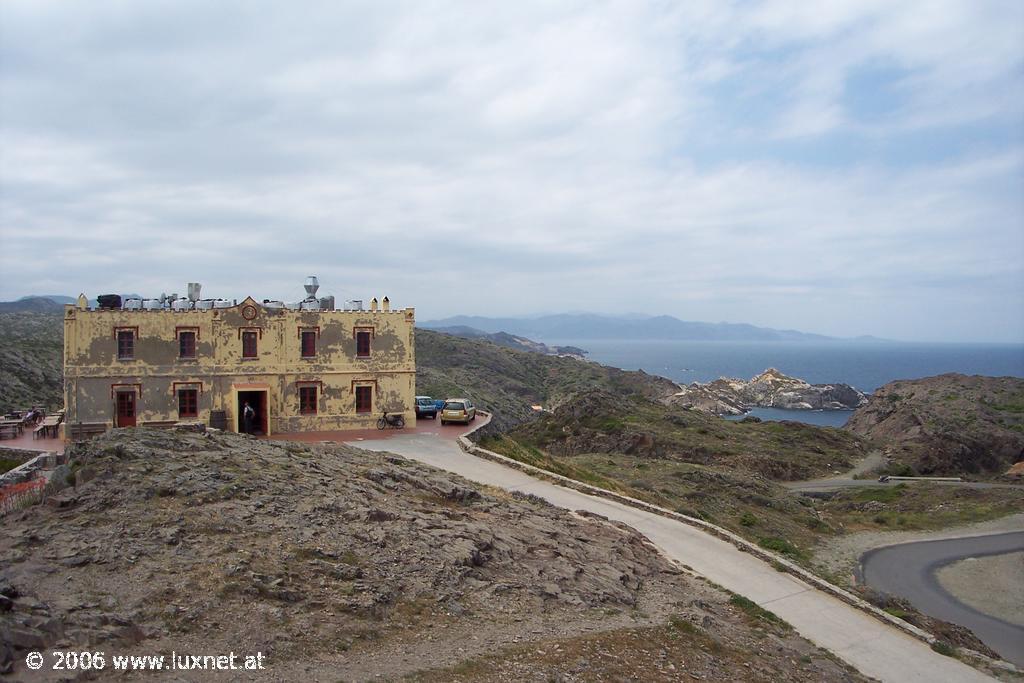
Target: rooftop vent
{"points": [[312, 284], [109, 301]]}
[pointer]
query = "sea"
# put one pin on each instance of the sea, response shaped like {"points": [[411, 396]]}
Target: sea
{"points": [[864, 365]]}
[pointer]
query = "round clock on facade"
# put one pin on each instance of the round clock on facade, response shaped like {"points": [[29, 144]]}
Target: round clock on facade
{"points": [[249, 312]]}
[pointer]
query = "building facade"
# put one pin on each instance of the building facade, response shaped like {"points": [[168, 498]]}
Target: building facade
{"points": [[300, 370]]}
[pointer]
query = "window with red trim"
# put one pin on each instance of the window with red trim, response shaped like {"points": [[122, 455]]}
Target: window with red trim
{"points": [[364, 399], [249, 345], [308, 343], [125, 344], [307, 400], [362, 344], [188, 403], [186, 344]]}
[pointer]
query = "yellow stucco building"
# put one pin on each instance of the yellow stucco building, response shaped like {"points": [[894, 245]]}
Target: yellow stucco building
{"points": [[300, 370]]}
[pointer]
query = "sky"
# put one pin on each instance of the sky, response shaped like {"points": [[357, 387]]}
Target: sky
{"points": [[836, 167]]}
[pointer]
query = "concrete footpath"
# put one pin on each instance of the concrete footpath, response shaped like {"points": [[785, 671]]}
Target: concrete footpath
{"points": [[874, 648]]}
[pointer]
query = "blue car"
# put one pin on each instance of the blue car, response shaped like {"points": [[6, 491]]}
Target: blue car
{"points": [[426, 407]]}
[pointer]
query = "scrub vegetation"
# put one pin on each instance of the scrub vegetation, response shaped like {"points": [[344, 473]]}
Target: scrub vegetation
{"points": [[31, 358]]}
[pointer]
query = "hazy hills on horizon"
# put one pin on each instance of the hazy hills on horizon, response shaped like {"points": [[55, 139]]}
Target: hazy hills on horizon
{"points": [[591, 326], [561, 326], [43, 303]]}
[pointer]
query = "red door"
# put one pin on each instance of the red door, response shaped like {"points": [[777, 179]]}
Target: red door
{"points": [[125, 409]]}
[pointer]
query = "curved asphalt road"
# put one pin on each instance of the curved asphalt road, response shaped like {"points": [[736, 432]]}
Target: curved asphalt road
{"points": [[873, 647], [908, 570]]}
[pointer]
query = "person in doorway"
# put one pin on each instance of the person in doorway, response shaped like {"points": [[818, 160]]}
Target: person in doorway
{"points": [[248, 415]]}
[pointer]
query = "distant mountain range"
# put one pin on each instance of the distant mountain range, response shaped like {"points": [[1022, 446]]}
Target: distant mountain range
{"points": [[592, 326], [33, 304], [44, 303], [564, 326]]}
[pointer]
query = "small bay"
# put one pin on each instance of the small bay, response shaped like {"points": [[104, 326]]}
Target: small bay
{"points": [[864, 365]]}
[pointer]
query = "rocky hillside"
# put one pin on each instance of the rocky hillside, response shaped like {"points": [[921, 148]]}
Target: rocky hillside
{"points": [[505, 380], [509, 381], [339, 563], [512, 341], [770, 389], [950, 424], [31, 360], [596, 421]]}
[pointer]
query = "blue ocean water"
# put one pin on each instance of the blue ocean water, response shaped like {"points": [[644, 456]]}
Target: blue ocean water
{"points": [[865, 365], [821, 418]]}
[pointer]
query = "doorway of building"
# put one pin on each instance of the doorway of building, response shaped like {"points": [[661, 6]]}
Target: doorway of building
{"points": [[258, 401], [124, 415]]}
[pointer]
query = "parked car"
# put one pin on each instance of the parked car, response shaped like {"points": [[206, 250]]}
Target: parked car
{"points": [[426, 407], [458, 410]]}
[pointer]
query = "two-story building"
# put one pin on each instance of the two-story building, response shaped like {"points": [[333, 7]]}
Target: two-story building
{"points": [[182, 361]]}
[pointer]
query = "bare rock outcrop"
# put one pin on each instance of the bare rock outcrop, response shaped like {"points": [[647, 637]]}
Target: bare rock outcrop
{"points": [[770, 389]]}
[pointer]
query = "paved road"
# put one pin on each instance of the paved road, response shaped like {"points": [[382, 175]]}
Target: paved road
{"points": [[822, 485], [909, 570], [873, 647], [873, 461]]}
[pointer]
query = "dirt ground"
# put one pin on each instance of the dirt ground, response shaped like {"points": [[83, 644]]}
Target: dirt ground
{"points": [[993, 585]]}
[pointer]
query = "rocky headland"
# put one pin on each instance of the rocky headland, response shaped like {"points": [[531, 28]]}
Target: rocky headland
{"points": [[513, 341], [770, 389], [949, 424]]}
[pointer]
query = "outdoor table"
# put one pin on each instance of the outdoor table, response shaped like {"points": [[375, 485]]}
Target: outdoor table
{"points": [[50, 425], [12, 427]]}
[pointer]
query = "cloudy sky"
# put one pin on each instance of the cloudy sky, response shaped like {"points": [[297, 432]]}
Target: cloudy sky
{"points": [[855, 168]]}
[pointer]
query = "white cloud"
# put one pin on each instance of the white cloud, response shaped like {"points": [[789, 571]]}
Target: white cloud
{"points": [[541, 150]]}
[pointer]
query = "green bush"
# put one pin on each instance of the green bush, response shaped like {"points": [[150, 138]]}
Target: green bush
{"points": [[752, 609], [698, 514], [680, 623], [8, 464], [748, 519], [899, 469], [780, 546], [815, 524], [880, 495]]}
